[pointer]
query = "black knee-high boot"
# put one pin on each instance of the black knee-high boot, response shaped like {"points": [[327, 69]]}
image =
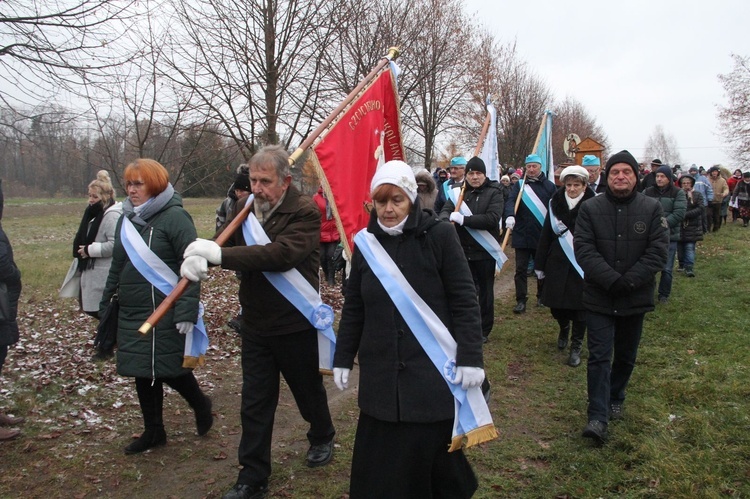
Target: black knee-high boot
{"points": [[151, 399], [187, 386], [576, 343], [562, 336]]}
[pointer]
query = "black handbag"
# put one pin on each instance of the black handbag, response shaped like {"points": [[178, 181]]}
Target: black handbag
{"points": [[5, 312], [106, 333]]}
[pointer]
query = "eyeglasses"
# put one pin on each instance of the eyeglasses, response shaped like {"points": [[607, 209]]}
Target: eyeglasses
{"points": [[137, 185]]}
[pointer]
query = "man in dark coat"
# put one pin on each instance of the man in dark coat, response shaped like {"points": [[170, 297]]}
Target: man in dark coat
{"points": [[621, 243], [276, 337], [485, 200], [674, 203], [649, 179], [457, 171], [526, 226]]}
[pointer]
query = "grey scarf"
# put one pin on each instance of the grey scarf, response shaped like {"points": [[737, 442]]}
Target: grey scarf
{"points": [[151, 208]]}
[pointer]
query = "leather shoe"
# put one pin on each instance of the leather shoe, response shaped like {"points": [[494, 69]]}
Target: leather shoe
{"points": [[520, 307], [6, 434], [319, 455], [6, 420], [244, 491], [152, 437], [596, 430]]}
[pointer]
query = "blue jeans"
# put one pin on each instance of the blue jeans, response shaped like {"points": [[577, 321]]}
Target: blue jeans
{"points": [[665, 283], [608, 378], [686, 254]]}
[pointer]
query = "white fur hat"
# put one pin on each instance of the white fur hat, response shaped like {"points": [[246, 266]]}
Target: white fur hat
{"points": [[575, 170], [396, 173]]}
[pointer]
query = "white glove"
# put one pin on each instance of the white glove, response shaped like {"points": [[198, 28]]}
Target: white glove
{"points": [[194, 268], [539, 274], [341, 377], [510, 222], [184, 327], [469, 377], [205, 248], [457, 217]]}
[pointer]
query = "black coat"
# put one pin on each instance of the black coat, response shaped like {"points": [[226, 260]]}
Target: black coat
{"points": [[11, 276], [620, 238], [691, 228], [527, 229], [398, 382], [563, 286], [486, 205]]}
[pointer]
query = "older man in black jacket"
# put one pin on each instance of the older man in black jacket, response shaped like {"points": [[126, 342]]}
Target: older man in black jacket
{"points": [[485, 200], [621, 243]]}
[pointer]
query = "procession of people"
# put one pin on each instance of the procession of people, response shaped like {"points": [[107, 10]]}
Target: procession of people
{"points": [[419, 298]]}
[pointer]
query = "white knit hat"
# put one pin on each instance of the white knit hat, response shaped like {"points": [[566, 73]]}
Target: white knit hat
{"points": [[576, 171], [396, 173]]}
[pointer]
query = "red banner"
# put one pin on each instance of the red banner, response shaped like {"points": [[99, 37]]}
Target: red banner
{"points": [[367, 134]]}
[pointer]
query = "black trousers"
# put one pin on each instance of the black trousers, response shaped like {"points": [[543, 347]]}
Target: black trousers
{"points": [[264, 358], [483, 273], [408, 461], [151, 396], [523, 255], [613, 346], [327, 250]]}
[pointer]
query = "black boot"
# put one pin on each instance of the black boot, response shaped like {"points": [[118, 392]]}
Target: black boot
{"points": [[151, 399], [187, 386], [576, 343], [562, 336]]}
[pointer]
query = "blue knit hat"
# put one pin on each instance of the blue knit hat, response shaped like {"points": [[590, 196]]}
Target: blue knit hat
{"points": [[591, 160], [533, 158], [458, 161]]}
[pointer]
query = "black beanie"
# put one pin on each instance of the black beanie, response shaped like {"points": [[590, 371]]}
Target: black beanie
{"points": [[621, 157], [476, 164], [242, 182]]}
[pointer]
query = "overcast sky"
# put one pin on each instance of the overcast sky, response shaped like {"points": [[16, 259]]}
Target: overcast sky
{"points": [[632, 64]]}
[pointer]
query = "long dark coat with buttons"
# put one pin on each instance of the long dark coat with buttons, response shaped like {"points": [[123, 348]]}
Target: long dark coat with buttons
{"points": [[398, 382]]}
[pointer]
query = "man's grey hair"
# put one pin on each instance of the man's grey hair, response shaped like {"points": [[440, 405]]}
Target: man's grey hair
{"points": [[273, 155]]}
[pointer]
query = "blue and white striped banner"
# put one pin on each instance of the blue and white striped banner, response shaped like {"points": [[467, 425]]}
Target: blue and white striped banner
{"points": [[532, 202], [565, 238]]}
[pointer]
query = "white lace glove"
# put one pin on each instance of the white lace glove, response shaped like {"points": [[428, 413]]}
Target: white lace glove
{"points": [[184, 327], [469, 377], [194, 268], [510, 222], [457, 217], [539, 274], [205, 248], [341, 377]]}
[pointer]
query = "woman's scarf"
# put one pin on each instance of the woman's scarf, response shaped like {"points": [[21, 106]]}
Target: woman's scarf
{"points": [[149, 208], [573, 202], [87, 230]]}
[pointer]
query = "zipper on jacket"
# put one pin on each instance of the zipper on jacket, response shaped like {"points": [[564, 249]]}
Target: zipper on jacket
{"points": [[153, 330]]}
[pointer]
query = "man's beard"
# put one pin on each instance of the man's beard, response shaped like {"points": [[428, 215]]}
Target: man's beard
{"points": [[264, 206]]}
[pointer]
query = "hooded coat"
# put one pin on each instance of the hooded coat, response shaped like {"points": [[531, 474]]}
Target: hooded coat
{"points": [[691, 228], [158, 353], [398, 382], [10, 275]]}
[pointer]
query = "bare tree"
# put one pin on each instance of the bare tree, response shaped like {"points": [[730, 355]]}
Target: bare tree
{"points": [[572, 117], [661, 145], [734, 117]]}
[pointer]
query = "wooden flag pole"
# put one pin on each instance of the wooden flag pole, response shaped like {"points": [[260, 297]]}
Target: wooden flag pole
{"points": [[520, 191], [230, 229]]}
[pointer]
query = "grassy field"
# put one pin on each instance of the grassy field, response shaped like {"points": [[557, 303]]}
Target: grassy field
{"points": [[686, 431]]}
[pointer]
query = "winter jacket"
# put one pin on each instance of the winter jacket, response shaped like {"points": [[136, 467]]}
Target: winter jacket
{"points": [[527, 229], [93, 279], [428, 197], [441, 197], [720, 187], [563, 284], [691, 228], [328, 231], [486, 205], [11, 277], [742, 194], [703, 187], [158, 353], [673, 202], [620, 237], [397, 381], [294, 231]]}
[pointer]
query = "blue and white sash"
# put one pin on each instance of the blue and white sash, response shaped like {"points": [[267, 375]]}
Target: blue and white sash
{"points": [[565, 238], [164, 279], [472, 423], [300, 293], [533, 203], [481, 236]]}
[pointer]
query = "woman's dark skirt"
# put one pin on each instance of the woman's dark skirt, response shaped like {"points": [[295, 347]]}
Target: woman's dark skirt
{"points": [[409, 461]]}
